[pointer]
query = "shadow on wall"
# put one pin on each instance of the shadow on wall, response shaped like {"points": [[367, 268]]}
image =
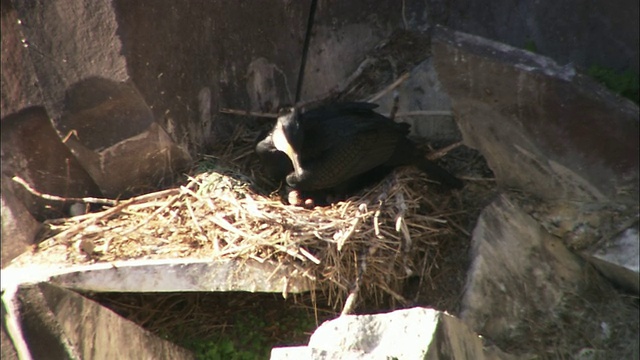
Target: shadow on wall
{"points": [[32, 150], [113, 134]]}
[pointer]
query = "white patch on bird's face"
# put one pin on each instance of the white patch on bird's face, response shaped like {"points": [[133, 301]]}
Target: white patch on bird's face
{"points": [[280, 140], [281, 143]]}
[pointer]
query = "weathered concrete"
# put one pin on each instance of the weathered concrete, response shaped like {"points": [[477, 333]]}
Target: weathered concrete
{"points": [[541, 127], [171, 275], [210, 58], [7, 351], [585, 33], [115, 137], [548, 131], [60, 324], [416, 333], [523, 283], [618, 259], [19, 228], [344, 32], [18, 83], [32, 150], [424, 105]]}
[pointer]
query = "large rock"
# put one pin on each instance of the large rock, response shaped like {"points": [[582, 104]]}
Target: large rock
{"points": [[19, 228], [60, 324], [525, 285], [18, 79], [32, 150], [585, 33], [549, 131], [416, 333], [618, 258], [153, 275], [81, 85], [211, 58], [343, 32], [114, 136], [542, 127]]}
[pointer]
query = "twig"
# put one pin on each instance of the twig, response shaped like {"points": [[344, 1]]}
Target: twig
{"points": [[101, 215], [442, 152], [350, 303], [394, 85], [309, 256], [68, 136], [35, 192], [425, 113], [471, 178], [248, 113], [153, 214]]}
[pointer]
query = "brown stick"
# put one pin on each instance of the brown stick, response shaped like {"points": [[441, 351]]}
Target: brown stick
{"points": [[394, 85], [248, 113], [442, 152], [35, 192]]}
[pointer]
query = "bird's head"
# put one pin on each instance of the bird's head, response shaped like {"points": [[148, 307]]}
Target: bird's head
{"points": [[288, 136]]}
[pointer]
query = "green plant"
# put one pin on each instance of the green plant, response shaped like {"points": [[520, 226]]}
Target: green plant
{"points": [[624, 83], [222, 349], [252, 335], [530, 45]]}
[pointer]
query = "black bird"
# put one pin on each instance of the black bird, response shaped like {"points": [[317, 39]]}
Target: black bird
{"points": [[340, 145]]}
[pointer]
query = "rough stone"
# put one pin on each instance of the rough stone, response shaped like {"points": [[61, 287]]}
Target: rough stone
{"points": [[618, 259], [585, 33], [19, 228], [416, 333], [524, 283], [18, 82], [424, 105], [32, 150], [69, 41], [114, 136], [170, 275], [546, 130], [541, 127], [7, 351], [61, 324], [210, 58]]}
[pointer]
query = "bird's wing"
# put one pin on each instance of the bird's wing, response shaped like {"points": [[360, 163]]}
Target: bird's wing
{"points": [[346, 159]]}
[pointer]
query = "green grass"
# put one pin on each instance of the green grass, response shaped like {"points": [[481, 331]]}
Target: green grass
{"points": [[252, 336], [530, 45], [624, 83]]}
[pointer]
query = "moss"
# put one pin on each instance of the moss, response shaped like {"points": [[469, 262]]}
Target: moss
{"points": [[624, 83], [530, 45], [252, 335]]}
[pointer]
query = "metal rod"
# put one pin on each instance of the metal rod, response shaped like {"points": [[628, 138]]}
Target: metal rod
{"points": [[305, 49]]}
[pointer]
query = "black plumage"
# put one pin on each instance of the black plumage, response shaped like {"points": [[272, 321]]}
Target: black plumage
{"points": [[341, 146]]}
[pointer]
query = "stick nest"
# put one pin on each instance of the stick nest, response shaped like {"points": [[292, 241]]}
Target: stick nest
{"points": [[380, 233]]}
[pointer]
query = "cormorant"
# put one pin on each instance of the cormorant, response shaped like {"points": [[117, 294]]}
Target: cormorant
{"points": [[340, 147]]}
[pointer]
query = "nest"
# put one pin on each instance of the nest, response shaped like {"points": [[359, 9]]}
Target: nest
{"points": [[378, 235]]}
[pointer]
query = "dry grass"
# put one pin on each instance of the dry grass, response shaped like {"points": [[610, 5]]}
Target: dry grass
{"points": [[223, 214]]}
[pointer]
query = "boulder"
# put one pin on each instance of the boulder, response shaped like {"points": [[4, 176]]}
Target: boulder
{"points": [[112, 132], [211, 58], [585, 33], [548, 131], [542, 127], [19, 228], [416, 333], [18, 79], [32, 150], [60, 324], [618, 259], [524, 284]]}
